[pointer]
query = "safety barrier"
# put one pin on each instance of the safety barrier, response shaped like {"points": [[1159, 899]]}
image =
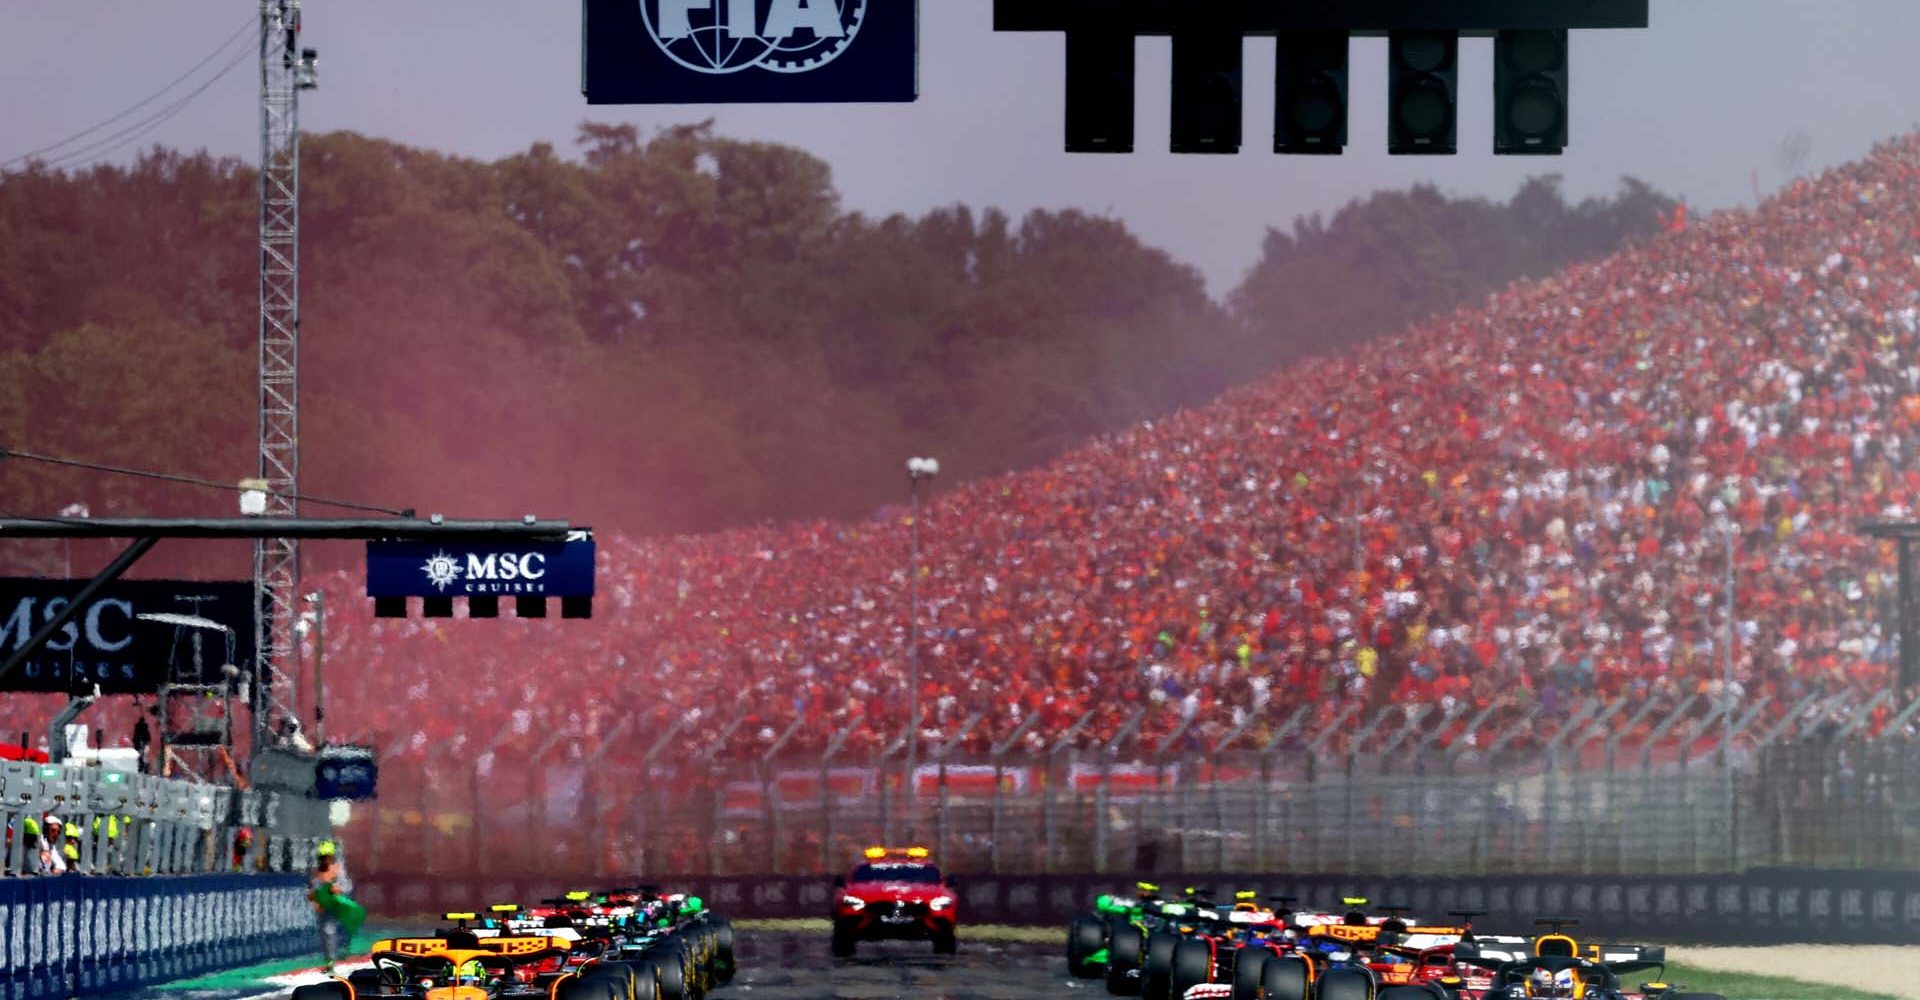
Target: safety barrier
{"points": [[134, 824], [1762, 906], [89, 936]]}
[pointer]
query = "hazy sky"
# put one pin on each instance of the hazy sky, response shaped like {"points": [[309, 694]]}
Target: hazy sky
{"points": [[1696, 105]]}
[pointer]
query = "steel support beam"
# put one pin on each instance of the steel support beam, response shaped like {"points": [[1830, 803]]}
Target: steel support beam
{"points": [[396, 529], [1270, 17]]}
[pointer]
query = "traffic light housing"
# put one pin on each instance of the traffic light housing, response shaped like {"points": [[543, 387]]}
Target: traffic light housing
{"points": [[1530, 92], [1310, 93], [1206, 92], [1423, 84], [1099, 92]]}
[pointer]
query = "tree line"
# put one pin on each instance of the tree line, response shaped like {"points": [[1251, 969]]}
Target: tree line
{"points": [[672, 332]]}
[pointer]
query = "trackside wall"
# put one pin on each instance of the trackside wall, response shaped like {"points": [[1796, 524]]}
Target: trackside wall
{"points": [[78, 935]]}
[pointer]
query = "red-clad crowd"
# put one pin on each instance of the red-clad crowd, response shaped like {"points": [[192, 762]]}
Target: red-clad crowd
{"points": [[1519, 505]]}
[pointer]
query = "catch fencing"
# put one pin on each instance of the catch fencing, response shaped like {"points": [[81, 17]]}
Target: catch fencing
{"points": [[1598, 787]]}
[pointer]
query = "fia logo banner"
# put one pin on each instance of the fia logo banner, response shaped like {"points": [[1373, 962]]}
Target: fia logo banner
{"points": [[727, 36]]}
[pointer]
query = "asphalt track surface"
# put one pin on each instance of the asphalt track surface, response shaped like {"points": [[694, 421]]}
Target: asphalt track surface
{"points": [[789, 965]]}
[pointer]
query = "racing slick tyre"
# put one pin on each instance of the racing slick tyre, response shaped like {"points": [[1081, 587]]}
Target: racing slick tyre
{"points": [[365, 982], [1192, 965], [332, 989], [1087, 936], [576, 988], [646, 980], [1344, 984], [1159, 961], [844, 942], [723, 966], [1247, 966], [946, 943], [1124, 951], [620, 974], [1285, 977], [670, 973]]}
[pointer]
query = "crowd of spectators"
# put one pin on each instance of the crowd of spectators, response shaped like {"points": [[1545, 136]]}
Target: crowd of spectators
{"points": [[1518, 505]]}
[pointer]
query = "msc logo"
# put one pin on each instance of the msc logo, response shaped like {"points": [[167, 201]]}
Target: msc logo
{"points": [[727, 36], [444, 570]]}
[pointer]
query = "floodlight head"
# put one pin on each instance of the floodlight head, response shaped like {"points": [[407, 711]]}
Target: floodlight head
{"points": [[253, 497], [923, 468]]}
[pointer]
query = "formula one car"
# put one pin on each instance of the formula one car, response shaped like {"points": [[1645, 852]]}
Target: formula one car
{"points": [[459, 967], [895, 893], [1556, 967], [1090, 935]]}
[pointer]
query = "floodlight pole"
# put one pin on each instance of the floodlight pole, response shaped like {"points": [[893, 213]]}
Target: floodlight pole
{"points": [[285, 70]]}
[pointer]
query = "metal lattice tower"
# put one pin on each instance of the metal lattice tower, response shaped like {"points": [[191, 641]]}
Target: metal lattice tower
{"points": [[285, 70]]}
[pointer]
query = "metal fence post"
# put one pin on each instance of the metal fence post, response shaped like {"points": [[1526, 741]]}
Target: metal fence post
{"points": [[775, 816], [826, 795], [943, 821], [1101, 832], [649, 816], [999, 754], [1050, 806], [1263, 811], [1161, 796], [1218, 789]]}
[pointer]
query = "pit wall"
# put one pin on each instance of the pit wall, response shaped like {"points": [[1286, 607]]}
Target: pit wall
{"points": [[77, 936], [1761, 906]]}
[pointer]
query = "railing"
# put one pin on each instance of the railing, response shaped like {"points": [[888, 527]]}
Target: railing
{"points": [[139, 824], [1611, 786]]}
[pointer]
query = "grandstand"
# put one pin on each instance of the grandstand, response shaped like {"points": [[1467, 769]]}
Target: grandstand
{"points": [[1519, 503], [1512, 507]]}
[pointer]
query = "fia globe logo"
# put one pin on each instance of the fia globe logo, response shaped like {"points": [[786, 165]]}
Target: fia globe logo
{"points": [[727, 36]]}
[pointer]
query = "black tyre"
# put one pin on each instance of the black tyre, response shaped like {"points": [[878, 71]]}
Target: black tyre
{"points": [[1192, 965], [723, 967], [579, 988], [1344, 984], [1153, 977], [844, 942], [946, 943], [1085, 936], [670, 972], [620, 974], [1285, 977], [332, 989], [365, 982], [646, 981], [1125, 948], [1247, 966]]}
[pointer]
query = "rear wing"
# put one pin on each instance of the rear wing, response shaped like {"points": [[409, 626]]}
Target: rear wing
{"points": [[1614, 954], [1369, 933]]}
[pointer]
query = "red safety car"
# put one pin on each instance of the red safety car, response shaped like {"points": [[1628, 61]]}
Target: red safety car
{"points": [[894, 893]]}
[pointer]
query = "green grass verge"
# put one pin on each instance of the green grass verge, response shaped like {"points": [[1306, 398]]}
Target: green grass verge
{"points": [[1743, 986]]}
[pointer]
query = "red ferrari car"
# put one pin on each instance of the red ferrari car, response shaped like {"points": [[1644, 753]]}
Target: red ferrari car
{"points": [[895, 893]]}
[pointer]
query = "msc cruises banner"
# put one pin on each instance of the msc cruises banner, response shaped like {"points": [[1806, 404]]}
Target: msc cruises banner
{"points": [[749, 51], [131, 638], [475, 569]]}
